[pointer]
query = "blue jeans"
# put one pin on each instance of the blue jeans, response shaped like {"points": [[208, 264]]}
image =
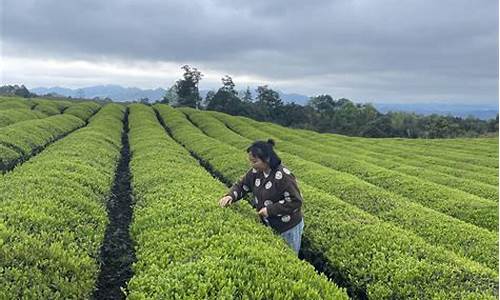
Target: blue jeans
{"points": [[293, 236]]}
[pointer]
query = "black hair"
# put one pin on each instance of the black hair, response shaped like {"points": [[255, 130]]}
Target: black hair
{"points": [[265, 152]]}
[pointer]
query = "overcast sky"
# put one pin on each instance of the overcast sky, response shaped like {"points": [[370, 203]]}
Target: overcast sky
{"points": [[364, 50]]}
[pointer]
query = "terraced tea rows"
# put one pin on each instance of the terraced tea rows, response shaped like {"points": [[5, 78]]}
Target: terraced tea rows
{"points": [[121, 201]]}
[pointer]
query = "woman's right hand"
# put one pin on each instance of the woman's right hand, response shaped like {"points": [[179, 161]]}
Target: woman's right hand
{"points": [[225, 201]]}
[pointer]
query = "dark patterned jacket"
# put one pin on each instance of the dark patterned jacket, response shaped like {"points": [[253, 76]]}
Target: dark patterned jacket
{"points": [[278, 192]]}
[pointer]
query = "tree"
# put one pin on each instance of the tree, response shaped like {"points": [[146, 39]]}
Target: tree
{"points": [[298, 116], [345, 117], [268, 97], [226, 99], [208, 98], [380, 127], [493, 125], [323, 104], [341, 116], [404, 124], [247, 96], [228, 85], [270, 102], [187, 88], [170, 96]]}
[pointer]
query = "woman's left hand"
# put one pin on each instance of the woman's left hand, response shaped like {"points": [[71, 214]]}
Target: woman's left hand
{"points": [[263, 212]]}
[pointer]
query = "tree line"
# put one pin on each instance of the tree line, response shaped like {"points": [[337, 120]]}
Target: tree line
{"points": [[322, 113]]}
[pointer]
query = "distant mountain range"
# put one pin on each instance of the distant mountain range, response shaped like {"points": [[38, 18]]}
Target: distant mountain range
{"points": [[119, 93], [483, 112], [115, 92]]}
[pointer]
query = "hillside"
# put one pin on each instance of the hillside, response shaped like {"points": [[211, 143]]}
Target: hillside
{"points": [[96, 196]]}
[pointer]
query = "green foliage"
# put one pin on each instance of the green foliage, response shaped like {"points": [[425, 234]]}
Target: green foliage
{"points": [[226, 99], [439, 229], [48, 107], [15, 103], [397, 157], [11, 116], [53, 216], [188, 247], [269, 101], [228, 85], [379, 156], [324, 114], [377, 211], [187, 88], [29, 137], [373, 256], [83, 110], [424, 153], [170, 96], [247, 96], [461, 205], [59, 105]]}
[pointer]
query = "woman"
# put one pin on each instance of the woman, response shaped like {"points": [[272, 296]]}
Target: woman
{"points": [[277, 197]]}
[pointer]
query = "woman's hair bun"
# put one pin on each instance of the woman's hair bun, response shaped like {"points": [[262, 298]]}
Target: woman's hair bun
{"points": [[271, 141]]}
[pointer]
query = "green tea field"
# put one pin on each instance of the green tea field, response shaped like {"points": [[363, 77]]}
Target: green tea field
{"points": [[103, 199]]}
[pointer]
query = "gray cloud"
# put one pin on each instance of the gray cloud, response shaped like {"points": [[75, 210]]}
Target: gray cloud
{"points": [[366, 50]]}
